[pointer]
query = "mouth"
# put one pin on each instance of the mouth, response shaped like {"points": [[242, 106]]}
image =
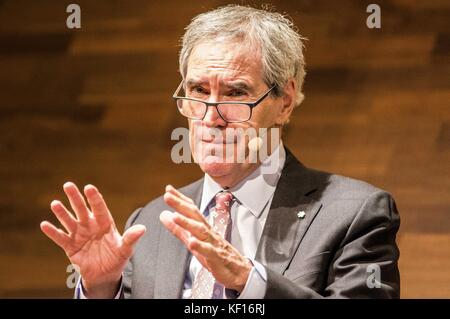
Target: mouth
{"points": [[217, 137], [219, 140]]}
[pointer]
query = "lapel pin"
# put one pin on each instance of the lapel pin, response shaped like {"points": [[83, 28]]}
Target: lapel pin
{"points": [[301, 214]]}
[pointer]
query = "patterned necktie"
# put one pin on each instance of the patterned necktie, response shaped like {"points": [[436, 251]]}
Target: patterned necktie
{"points": [[205, 286]]}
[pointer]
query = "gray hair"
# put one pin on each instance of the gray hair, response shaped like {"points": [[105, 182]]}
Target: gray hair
{"points": [[274, 34]]}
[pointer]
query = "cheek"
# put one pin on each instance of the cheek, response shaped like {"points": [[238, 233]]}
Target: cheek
{"points": [[193, 127], [264, 117]]}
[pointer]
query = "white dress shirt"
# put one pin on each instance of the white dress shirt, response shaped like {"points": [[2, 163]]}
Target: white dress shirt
{"points": [[252, 199]]}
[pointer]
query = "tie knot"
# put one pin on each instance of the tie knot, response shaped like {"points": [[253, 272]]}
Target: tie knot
{"points": [[223, 202]]}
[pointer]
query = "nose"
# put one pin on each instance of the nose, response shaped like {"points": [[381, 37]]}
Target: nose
{"points": [[212, 118]]}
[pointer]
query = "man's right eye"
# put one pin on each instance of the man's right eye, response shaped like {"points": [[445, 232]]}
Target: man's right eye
{"points": [[199, 90]]}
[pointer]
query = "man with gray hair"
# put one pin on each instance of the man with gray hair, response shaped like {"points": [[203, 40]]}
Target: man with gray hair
{"points": [[241, 231]]}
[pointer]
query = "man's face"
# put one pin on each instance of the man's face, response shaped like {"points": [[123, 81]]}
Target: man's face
{"points": [[223, 72]]}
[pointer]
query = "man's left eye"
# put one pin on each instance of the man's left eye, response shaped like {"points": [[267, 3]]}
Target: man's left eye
{"points": [[236, 93]]}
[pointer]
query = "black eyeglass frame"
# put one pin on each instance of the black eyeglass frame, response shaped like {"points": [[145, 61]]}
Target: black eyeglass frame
{"points": [[251, 105]]}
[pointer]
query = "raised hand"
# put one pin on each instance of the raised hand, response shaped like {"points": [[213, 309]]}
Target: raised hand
{"points": [[216, 254], [91, 240]]}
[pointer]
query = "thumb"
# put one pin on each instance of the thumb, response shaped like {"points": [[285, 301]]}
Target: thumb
{"points": [[133, 234]]}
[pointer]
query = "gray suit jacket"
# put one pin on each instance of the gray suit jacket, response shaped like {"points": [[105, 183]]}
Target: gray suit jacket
{"points": [[348, 231]]}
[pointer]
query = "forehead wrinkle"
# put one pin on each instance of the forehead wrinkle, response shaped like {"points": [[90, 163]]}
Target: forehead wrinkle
{"points": [[208, 58], [227, 68]]}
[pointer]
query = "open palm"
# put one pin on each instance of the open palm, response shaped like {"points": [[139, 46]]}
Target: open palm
{"points": [[92, 241]]}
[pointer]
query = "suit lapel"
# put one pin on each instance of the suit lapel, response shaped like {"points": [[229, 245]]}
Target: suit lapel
{"points": [[173, 257], [285, 227]]}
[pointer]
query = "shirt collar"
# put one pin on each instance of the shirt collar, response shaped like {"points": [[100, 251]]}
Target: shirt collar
{"points": [[261, 182]]}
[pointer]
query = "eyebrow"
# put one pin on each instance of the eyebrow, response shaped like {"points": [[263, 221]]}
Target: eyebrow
{"points": [[239, 85]]}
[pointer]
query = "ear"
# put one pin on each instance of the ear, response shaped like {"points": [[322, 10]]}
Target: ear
{"points": [[287, 102]]}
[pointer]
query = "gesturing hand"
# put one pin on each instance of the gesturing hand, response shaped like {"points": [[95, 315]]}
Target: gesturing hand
{"points": [[92, 241], [216, 254]]}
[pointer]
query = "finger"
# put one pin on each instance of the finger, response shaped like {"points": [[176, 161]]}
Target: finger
{"points": [[98, 206], [183, 207], [133, 234], [77, 201], [197, 229], [201, 247], [129, 240], [203, 261], [166, 219], [174, 191], [217, 255], [204, 252], [57, 235], [63, 215]]}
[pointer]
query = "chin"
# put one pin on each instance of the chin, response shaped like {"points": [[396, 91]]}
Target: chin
{"points": [[215, 168]]}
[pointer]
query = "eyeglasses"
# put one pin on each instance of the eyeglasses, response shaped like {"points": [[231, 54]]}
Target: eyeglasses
{"points": [[229, 111]]}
